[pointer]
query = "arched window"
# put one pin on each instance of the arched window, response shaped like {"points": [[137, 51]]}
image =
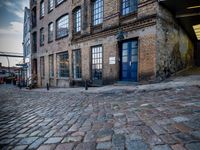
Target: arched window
{"points": [[77, 19], [62, 26], [97, 12], [129, 6]]}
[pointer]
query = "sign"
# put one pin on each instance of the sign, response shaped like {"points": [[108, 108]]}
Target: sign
{"points": [[111, 60]]}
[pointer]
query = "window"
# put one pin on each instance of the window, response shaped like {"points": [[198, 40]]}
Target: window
{"points": [[63, 65], [34, 42], [34, 17], [42, 69], [51, 66], [59, 2], [129, 6], [77, 20], [76, 64], [50, 5], [50, 32], [97, 62], [41, 9], [97, 12], [62, 26], [41, 36]]}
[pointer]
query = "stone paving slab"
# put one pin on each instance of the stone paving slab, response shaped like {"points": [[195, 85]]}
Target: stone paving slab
{"points": [[166, 119]]}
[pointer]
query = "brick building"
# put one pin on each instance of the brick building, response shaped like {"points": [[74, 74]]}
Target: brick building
{"points": [[106, 41]]}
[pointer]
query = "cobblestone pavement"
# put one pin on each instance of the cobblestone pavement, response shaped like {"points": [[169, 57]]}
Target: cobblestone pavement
{"points": [[157, 120]]}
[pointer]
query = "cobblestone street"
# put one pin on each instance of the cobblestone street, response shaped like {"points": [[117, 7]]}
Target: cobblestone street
{"points": [[158, 120]]}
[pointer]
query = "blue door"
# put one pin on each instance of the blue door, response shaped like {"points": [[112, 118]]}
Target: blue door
{"points": [[129, 61]]}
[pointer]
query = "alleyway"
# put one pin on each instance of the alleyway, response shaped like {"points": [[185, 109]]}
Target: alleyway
{"points": [[165, 119]]}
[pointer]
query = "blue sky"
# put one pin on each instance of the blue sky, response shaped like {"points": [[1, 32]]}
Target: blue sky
{"points": [[11, 27]]}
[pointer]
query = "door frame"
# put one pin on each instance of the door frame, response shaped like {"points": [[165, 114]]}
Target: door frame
{"points": [[120, 56]]}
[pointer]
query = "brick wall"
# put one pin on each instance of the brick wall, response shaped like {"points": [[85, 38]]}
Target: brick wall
{"points": [[174, 47]]}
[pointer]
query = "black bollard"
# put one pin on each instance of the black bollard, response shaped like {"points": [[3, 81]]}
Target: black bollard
{"points": [[47, 86], [86, 85]]}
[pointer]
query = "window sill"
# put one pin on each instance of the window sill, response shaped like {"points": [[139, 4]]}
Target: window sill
{"points": [[128, 16], [56, 5], [97, 28], [49, 11], [41, 17], [59, 38], [63, 78], [50, 41]]}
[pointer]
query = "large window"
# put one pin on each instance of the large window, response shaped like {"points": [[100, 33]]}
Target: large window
{"points": [[76, 64], [129, 6], [97, 59], [59, 2], [97, 12], [50, 5], [50, 32], [62, 26], [42, 65], [42, 9], [41, 36], [63, 65], [77, 20], [51, 66]]}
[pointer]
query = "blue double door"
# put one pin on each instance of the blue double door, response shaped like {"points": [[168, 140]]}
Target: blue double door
{"points": [[129, 61]]}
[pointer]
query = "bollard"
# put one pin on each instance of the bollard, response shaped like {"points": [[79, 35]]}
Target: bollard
{"points": [[86, 85], [47, 86]]}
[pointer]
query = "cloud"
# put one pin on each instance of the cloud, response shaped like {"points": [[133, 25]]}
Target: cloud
{"points": [[15, 28]]}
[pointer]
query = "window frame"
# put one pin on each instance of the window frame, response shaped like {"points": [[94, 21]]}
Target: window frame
{"points": [[62, 63], [67, 24], [77, 20], [51, 66], [50, 33], [98, 62], [42, 36], [134, 9], [42, 67], [78, 63], [59, 3], [42, 9], [50, 3], [96, 14]]}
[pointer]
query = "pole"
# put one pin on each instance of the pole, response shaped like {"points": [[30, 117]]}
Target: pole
{"points": [[8, 64]]}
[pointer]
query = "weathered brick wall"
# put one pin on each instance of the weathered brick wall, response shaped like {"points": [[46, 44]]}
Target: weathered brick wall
{"points": [[174, 47]]}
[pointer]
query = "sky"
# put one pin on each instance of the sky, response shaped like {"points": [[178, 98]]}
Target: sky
{"points": [[11, 28]]}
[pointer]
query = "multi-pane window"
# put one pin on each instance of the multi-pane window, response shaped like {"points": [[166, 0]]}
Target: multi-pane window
{"points": [[77, 20], [42, 65], [129, 6], [63, 65], [42, 9], [51, 66], [50, 32], [41, 36], [97, 59], [50, 5], [62, 26], [76, 64], [59, 2], [97, 12]]}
